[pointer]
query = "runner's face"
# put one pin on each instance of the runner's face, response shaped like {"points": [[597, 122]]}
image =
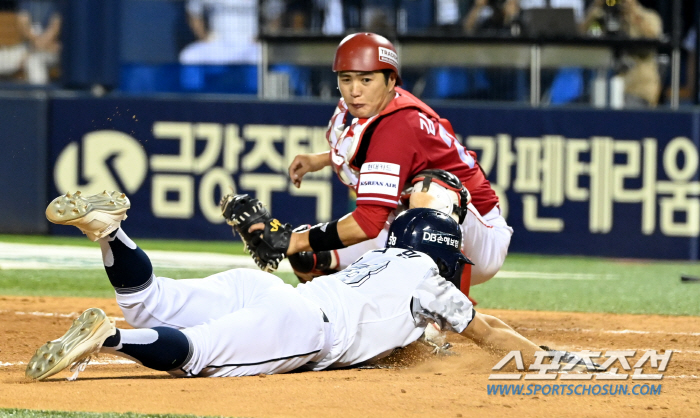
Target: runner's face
{"points": [[365, 93]]}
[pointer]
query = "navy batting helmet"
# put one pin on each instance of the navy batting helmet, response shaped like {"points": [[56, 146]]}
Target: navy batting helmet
{"points": [[433, 233]]}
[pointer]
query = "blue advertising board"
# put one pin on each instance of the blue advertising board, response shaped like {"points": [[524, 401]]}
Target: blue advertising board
{"points": [[23, 159], [176, 158], [589, 182], [606, 183]]}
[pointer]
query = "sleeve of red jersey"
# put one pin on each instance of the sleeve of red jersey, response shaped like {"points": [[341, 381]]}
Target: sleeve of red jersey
{"points": [[391, 157], [371, 218]]}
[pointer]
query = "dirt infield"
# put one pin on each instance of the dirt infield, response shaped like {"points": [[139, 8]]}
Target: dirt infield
{"points": [[415, 383]]}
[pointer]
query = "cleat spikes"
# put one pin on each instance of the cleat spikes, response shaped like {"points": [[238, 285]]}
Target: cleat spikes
{"points": [[82, 341], [96, 216]]}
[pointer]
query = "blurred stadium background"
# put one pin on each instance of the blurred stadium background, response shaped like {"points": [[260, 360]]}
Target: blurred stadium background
{"points": [[586, 120], [585, 117]]}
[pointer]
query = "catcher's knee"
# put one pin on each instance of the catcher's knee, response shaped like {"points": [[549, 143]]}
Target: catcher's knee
{"points": [[481, 274]]}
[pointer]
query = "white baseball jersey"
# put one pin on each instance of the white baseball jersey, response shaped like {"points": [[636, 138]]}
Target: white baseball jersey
{"points": [[383, 301], [246, 322]]}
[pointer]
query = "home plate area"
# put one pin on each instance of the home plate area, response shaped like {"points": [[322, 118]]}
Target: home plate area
{"points": [[412, 382]]}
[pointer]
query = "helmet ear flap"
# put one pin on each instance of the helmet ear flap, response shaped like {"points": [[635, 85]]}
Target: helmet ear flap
{"points": [[443, 268], [450, 273]]}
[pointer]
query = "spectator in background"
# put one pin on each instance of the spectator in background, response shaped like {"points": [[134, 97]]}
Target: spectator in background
{"points": [[332, 16], [325, 16], [491, 16], [224, 57], [13, 52], [378, 16], [691, 77], [226, 32], [39, 23], [577, 5], [639, 68]]}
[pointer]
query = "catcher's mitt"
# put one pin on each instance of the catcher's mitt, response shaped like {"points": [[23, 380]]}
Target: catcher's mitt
{"points": [[267, 246]]}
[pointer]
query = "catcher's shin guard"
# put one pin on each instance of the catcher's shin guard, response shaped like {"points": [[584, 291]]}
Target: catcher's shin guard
{"points": [[465, 282]]}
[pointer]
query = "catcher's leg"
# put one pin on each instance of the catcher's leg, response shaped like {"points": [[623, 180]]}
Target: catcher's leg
{"points": [[486, 241]]}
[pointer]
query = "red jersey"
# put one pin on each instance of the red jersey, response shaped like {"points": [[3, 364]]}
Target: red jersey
{"points": [[379, 156]]}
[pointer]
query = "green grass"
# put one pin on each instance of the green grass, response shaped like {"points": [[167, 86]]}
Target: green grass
{"points": [[223, 247], [639, 287], [28, 413], [83, 283]]}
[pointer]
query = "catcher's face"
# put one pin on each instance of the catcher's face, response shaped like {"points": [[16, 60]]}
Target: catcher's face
{"points": [[366, 93]]}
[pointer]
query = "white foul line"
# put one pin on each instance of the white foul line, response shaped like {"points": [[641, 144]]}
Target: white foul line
{"points": [[553, 276], [14, 256], [71, 315]]}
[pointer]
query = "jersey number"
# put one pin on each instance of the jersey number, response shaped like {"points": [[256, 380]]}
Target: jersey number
{"points": [[358, 273]]}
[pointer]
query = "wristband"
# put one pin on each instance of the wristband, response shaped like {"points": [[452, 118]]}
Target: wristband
{"points": [[324, 237]]}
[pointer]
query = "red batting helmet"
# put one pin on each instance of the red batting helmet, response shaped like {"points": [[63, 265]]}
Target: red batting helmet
{"points": [[366, 52]]}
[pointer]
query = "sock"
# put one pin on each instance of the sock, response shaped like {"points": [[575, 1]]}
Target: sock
{"points": [[113, 340], [128, 267], [158, 348]]}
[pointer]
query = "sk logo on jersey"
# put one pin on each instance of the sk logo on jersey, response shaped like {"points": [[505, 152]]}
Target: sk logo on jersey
{"points": [[357, 274]]}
